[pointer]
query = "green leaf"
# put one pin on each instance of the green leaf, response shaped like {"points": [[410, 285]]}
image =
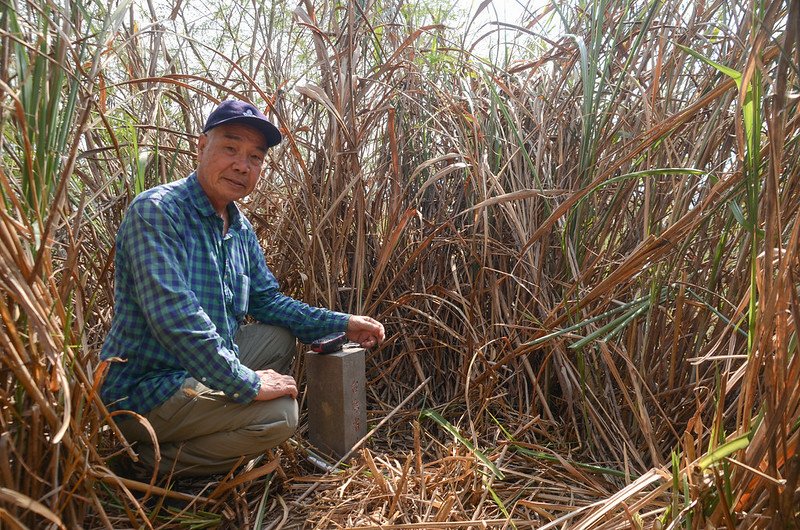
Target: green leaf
{"points": [[612, 328], [738, 214], [729, 447], [435, 416], [499, 502], [730, 72], [646, 173]]}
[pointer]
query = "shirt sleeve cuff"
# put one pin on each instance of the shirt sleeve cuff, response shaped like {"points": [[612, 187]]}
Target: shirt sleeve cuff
{"points": [[339, 320], [331, 322], [247, 386]]}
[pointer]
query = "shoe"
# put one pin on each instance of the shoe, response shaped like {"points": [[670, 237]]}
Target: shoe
{"points": [[196, 486], [127, 468], [191, 486]]}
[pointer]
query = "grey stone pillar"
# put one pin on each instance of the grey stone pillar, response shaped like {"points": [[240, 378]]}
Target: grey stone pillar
{"points": [[337, 399]]}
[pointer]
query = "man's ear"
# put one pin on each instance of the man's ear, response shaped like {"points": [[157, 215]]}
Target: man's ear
{"points": [[201, 144]]}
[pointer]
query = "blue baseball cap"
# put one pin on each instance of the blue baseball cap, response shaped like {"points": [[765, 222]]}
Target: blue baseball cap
{"points": [[235, 111]]}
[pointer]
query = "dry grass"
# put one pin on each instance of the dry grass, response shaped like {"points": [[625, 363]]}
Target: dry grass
{"points": [[587, 242]]}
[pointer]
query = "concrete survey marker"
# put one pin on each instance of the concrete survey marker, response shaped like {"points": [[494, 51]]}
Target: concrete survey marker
{"points": [[337, 399]]}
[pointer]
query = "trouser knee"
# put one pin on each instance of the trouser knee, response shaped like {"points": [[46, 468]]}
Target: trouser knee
{"points": [[277, 428], [291, 414], [262, 346], [285, 341]]}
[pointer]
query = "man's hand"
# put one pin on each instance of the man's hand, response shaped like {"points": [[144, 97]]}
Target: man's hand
{"points": [[366, 331], [275, 385]]}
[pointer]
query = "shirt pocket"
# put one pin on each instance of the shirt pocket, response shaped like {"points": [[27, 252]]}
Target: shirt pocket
{"points": [[241, 298]]}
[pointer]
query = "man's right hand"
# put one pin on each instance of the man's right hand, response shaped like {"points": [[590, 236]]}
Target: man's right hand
{"points": [[275, 385], [366, 331]]}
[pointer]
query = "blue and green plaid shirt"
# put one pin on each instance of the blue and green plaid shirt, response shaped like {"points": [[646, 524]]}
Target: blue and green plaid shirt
{"points": [[182, 289]]}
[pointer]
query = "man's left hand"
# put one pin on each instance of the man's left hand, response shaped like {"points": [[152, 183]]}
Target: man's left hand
{"points": [[366, 331]]}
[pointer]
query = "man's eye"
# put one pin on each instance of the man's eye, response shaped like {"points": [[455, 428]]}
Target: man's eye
{"points": [[256, 160], [229, 149]]}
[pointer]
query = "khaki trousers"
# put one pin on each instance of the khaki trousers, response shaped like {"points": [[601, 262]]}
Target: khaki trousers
{"points": [[203, 432]]}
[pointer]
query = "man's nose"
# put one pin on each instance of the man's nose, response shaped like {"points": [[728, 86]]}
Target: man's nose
{"points": [[242, 163]]}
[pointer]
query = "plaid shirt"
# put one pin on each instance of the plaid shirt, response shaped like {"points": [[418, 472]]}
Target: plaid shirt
{"points": [[182, 289]]}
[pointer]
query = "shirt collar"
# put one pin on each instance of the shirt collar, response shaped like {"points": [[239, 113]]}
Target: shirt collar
{"points": [[203, 205]]}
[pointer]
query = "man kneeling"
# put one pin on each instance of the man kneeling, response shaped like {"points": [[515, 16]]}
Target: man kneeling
{"points": [[188, 270]]}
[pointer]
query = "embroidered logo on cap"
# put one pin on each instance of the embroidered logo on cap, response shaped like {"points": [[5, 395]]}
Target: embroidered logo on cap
{"points": [[248, 112]]}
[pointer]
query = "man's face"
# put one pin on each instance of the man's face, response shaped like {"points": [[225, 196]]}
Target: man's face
{"points": [[229, 162]]}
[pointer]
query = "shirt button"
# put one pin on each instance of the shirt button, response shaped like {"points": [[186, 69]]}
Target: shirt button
{"points": [[236, 395], [204, 379]]}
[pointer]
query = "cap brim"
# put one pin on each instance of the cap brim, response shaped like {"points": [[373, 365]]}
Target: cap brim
{"points": [[271, 133]]}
